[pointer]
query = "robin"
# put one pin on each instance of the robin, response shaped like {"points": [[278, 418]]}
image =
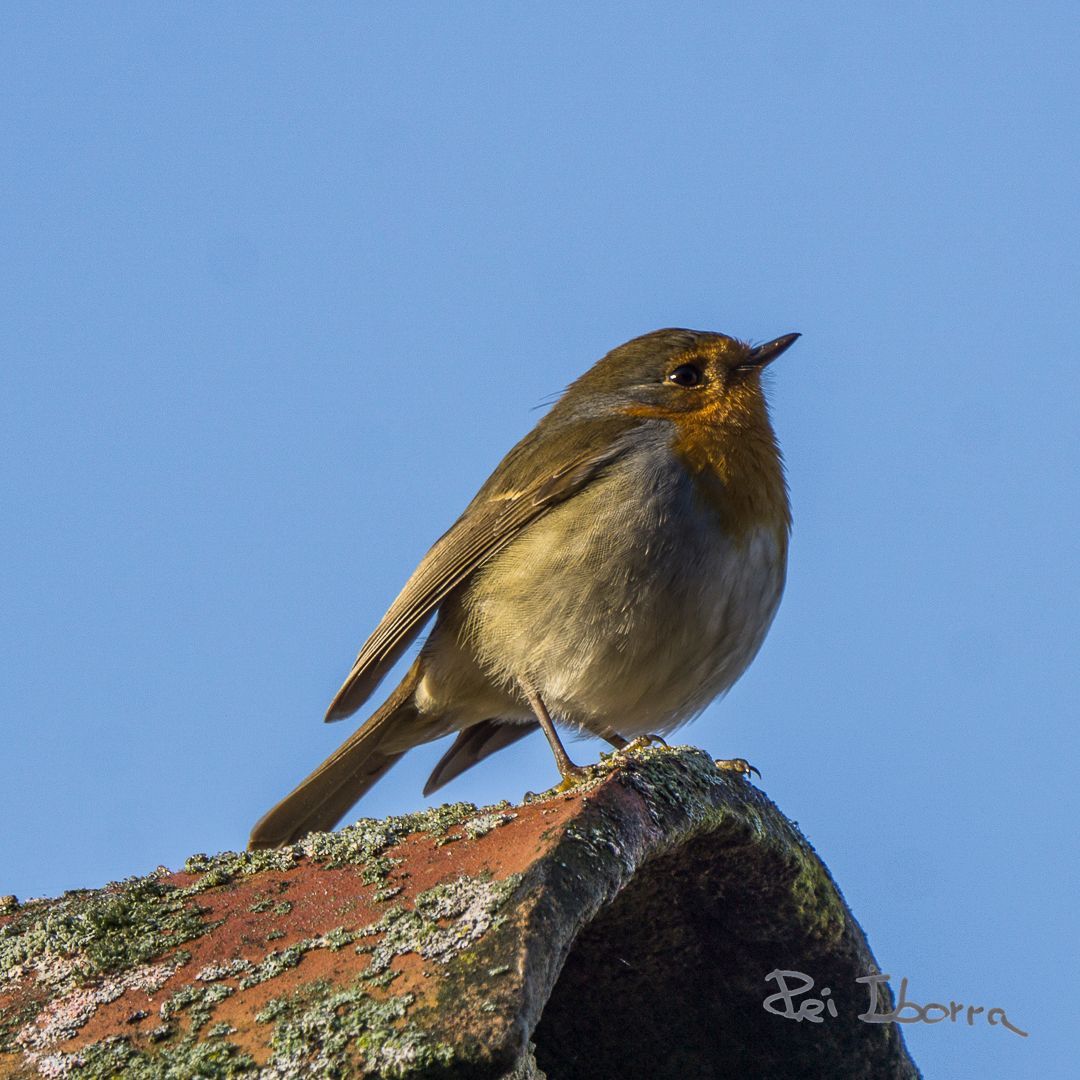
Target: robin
{"points": [[617, 572]]}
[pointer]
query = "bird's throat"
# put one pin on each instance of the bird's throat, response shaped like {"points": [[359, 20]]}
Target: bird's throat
{"points": [[730, 450]]}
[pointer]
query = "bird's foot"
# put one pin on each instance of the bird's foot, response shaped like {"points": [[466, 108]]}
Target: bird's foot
{"points": [[572, 777], [737, 765], [641, 742]]}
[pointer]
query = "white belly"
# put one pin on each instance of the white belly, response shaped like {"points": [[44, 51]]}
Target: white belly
{"points": [[626, 608]]}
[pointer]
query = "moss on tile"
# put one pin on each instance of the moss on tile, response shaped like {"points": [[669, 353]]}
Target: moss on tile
{"points": [[197, 1001], [117, 1057], [280, 960], [323, 1031], [444, 921], [92, 933]]}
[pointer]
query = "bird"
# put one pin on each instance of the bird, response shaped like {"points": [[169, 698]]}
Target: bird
{"points": [[617, 572]]}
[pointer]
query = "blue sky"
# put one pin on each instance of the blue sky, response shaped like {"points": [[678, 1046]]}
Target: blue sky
{"points": [[280, 287]]}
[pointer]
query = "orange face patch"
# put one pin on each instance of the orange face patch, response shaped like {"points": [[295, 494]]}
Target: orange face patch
{"points": [[724, 438]]}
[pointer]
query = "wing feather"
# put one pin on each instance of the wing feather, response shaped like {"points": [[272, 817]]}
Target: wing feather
{"points": [[492, 520]]}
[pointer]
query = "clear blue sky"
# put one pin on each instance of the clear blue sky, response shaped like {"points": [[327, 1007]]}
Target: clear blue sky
{"points": [[282, 284]]}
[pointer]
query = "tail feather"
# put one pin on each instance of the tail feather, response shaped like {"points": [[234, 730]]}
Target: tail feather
{"points": [[320, 801], [473, 745]]}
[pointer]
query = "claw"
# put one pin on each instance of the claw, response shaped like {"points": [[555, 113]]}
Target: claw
{"points": [[572, 778], [641, 742], [737, 765]]}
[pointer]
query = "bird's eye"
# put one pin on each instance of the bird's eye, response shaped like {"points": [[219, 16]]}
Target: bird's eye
{"points": [[686, 375]]}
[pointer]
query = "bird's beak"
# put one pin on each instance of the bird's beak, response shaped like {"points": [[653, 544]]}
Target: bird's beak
{"points": [[763, 355]]}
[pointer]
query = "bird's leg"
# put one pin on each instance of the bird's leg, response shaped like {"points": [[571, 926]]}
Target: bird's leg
{"points": [[571, 774]]}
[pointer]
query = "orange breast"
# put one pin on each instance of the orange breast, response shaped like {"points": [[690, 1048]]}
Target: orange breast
{"points": [[730, 449]]}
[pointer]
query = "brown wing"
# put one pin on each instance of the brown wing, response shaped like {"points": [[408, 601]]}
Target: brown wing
{"points": [[492, 520]]}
